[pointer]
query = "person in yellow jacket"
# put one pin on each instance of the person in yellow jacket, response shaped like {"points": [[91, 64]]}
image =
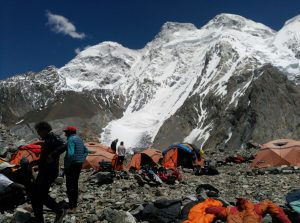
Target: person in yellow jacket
{"points": [[202, 152]]}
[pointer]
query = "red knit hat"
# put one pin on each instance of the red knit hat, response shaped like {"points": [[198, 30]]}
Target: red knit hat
{"points": [[70, 128]]}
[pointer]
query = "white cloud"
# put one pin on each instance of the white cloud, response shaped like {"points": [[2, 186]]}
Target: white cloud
{"points": [[60, 24], [78, 50]]}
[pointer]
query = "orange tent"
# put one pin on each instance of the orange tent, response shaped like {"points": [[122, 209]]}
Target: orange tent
{"points": [[185, 155], [148, 156], [31, 152], [94, 147], [99, 153], [278, 152]]}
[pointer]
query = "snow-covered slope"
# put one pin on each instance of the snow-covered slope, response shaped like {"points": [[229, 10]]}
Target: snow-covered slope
{"points": [[287, 45], [181, 62], [288, 38]]}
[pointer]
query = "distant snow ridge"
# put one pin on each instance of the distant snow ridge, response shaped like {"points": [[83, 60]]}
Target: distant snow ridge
{"points": [[180, 62], [235, 22], [289, 36], [103, 66]]}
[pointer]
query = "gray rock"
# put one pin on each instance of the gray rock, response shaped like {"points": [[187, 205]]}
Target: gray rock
{"points": [[70, 219], [59, 180], [267, 219], [20, 216], [87, 197], [92, 218], [129, 218]]}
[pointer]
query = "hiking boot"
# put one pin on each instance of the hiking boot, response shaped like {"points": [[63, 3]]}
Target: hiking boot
{"points": [[60, 216], [139, 180], [71, 211], [34, 220]]}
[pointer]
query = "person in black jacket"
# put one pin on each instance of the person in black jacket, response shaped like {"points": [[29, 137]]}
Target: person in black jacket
{"points": [[48, 167], [113, 145]]}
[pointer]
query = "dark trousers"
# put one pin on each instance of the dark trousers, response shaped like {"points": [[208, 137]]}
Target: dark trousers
{"points": [[24, 176], [10, 198], [41, 195], [72, 177], [121, 160]]}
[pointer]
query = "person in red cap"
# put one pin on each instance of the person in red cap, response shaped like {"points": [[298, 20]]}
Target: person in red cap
{"points": [[74, 158]]}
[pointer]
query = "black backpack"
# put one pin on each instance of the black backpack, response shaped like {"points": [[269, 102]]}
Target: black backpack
{"points": [[105, 166], [11, 199]]}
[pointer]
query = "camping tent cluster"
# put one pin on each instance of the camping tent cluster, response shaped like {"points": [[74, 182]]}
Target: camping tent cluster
{"points": [[275, 153], [185, 155]]}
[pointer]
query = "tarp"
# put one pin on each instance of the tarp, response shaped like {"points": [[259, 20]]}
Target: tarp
{"points": [[184, 154], [277, 153], [161, 211], [99, 153], [148, 156], [4, 165], [31, 152], [94, 147]]}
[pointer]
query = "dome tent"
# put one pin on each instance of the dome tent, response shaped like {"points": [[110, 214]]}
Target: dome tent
{"points": [[183, 154], [99, 153], [148, 156], [277, 153]]}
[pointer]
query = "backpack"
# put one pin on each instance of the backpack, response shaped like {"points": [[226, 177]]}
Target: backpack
{"points": [[11, 199], [105, 166]]}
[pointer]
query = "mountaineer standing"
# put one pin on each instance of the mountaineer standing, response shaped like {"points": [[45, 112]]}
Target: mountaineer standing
{"points": [[113, 145], [121, 153], [74, 158], [48, 167]]}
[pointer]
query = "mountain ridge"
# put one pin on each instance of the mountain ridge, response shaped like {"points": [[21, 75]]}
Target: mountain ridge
{"points": [[143, 89]]}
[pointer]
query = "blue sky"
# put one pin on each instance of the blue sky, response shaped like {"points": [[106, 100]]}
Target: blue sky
{"points": [[38, 33]]}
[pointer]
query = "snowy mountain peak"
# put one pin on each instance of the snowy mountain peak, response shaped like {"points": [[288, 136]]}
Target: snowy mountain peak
{"points": [[97, 67], [170, 28], [236, 22], [103, 48], [295, 19], [288, 38], [176, 26]]}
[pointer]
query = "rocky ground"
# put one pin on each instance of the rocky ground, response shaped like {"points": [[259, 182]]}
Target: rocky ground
{"points": [[112, 203], [116, 202]]}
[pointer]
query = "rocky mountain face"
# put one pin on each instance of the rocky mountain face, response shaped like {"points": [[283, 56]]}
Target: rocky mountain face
{"points": [[218, 86], [8, 141], [259, 115]]}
